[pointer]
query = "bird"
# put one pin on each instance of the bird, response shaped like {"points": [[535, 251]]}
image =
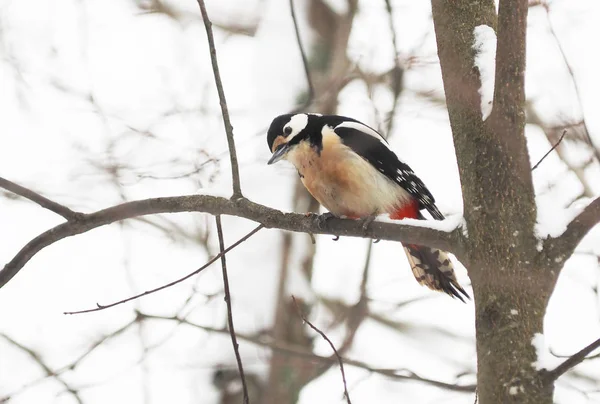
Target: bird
{"points": [[349, 168]]}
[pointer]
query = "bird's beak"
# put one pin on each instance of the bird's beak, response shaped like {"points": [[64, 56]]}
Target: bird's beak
{"points": [[279, 153]]}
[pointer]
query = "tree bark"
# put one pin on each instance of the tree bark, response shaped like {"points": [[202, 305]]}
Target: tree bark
{"points": [[511, 292]]}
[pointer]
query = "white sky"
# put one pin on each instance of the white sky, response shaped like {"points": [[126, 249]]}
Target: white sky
{"points": [[55, 54]]}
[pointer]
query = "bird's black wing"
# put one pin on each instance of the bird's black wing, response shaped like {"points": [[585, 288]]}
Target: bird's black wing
{"points": [[370, 145]]}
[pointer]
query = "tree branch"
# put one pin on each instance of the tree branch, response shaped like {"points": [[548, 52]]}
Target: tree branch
{"points": [[550, 151], [45, 367], [173, 283], [573, 361], [509, 89], [326, 338], [236, 350], [311, 88], [397, 72], [563, 246], [235, 172], [268, 217], [290, 349], [595, 150], [40, 200]]}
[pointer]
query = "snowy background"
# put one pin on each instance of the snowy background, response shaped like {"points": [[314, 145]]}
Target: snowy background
{"points": [[103, 101]]}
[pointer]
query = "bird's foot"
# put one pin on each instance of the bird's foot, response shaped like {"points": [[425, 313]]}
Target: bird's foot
{"points": [[366, 222], [324, 218]]}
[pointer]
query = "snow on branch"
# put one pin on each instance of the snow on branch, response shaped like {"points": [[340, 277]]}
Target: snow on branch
{"points": [[484, 45], [568, 234]]}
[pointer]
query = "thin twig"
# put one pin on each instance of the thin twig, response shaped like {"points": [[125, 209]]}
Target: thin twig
{"points": [[175, 282], [236, 350], [47, 369], [595, 150], [365, 275], [72, 365], [573, 361], [397, 72], [550, 151], [296, 350], [322, 334], [311, 89], [235, 172], [40, 200]]}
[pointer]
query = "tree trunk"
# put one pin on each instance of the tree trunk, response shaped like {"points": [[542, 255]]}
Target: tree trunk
{"points": [[511, 286], [509, 310]]}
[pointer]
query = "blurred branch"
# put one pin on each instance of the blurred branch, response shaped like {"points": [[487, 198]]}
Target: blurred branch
{"points": [[40, 200], [268, 217], [573, 361], [238, 358], [595, 150], [72, 365], [175, 282], [397, 71], [353, 315], [311, 88], [45, 367], [549, 151], [235, 173], [337, 355], [397, 374], [551, 133]]}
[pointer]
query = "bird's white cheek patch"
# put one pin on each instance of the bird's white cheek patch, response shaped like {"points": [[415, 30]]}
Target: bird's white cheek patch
{"points": [[297, 122]]}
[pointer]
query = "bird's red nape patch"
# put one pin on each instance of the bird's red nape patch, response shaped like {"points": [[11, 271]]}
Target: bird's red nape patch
{"points": [[410, 211]]}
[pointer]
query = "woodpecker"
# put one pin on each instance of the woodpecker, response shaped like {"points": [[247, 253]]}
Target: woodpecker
{"points": [[349, 168]]}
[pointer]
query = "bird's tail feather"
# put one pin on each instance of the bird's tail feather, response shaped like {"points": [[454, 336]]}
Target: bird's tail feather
{"points": [[433, 268]]}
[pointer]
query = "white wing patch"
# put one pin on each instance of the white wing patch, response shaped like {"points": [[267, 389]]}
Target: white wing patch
{"points": [[364, 129], [297, 122]]}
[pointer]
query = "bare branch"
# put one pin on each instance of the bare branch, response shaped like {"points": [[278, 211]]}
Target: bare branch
{"points": [[72, 365], [573, 361], [236, 350], [47, 369], [322, 334], [550, 151], [235, 172], [595, 150], [292, 349], [397, 73], [39, 199], [268, 217], [564, 245], [175, 282], [311, 88]]}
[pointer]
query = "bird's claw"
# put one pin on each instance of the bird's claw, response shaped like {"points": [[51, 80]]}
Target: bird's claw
{"points": [[376, 241], [366, 222], [322, 219], [336, 238]]}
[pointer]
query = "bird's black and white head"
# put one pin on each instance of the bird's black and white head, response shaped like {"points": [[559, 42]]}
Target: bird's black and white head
{"points": [[288, 131]]}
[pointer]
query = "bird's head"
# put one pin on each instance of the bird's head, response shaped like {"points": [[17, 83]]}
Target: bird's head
{"points": [[289, 130]]}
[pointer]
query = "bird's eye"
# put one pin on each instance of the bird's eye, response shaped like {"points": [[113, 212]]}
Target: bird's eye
{"points": [[287, 130]]}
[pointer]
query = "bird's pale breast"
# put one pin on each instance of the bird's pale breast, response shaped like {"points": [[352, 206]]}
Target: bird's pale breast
{"points": [[343, 182]]}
